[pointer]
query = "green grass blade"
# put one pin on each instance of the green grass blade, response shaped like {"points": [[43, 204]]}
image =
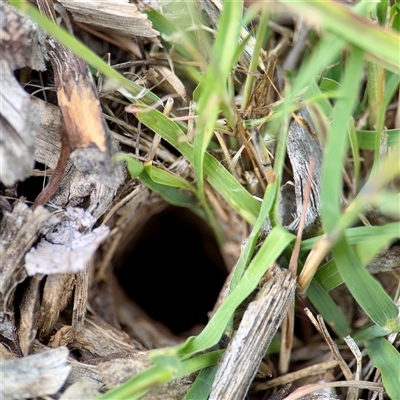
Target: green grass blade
{"points": [[170, 194], [213, 91], [366, 139], [167, 178], [327, 52], [134, 166], [386, 358], [230, 189], [201, 388], [337, 141], [381, 44], [368, 333], [273, 246], [327, 276], [359, 234], [243, 262], [363, 286], [328, 309], [355, 151]]}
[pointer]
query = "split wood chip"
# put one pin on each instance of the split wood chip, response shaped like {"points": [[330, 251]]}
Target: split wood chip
{"points": [[48, 140], [56, 295], [36, 375], [97, 338], [6, 353], [18, 231], [119, 16], [301, 148], [65, 238], [259, 324], [28, 308]]}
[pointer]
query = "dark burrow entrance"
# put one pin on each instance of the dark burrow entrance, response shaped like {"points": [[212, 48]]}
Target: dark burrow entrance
{"points": [[173, 269]]}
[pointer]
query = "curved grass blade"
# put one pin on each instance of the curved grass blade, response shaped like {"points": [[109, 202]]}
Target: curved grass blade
{"points": [[230, 189], [167, 178], [331, 181], [328, 309], [361, 233], [387, 359], [134, 166]]}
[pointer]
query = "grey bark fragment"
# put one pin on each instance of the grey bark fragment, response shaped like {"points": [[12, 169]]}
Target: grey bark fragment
{"points": [[36, 375], [63, 237]]}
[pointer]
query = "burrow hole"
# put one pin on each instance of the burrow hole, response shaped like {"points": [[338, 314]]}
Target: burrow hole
{"points": [[173, 269]]}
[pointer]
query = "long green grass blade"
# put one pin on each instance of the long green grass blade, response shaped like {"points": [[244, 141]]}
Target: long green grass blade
{"points": [[363, 286], [328, 276], [201, 388], [243, 262], [328, 309], [366, 139], [213, 91], [170, 194], [275, 243], [337, 142], [359, 234], [386, 358]]}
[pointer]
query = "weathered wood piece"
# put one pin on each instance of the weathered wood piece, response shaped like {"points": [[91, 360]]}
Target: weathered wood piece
{"points": [[111, 14], [21, 45], [29, 314], [82, 389], [18, 232], [302, 147], [67, 235], [18, 127], [85, 138], [36, 375], [97, 338], [76, 187], [260, 322]]}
